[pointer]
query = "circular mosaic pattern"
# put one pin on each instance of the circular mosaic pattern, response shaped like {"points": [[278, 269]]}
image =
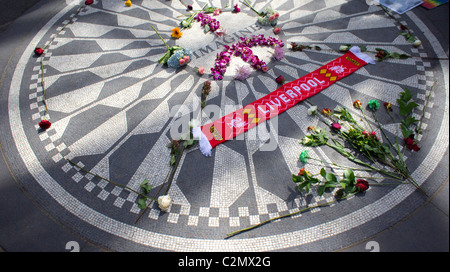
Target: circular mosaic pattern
{"points": [[114, 109]]}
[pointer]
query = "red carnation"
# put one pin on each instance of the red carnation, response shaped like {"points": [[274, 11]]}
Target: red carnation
{"points": [[45, 124], [38, 51], [88, 2], [362, 185], [411, 144]]}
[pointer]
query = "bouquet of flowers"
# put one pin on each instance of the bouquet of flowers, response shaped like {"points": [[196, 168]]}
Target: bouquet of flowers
{"points": [[362, 144], [267, 17], [176, 56]]}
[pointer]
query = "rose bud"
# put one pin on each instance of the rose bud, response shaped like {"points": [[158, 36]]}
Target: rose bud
{"points": [[201, 70], [88, 2], [417, 43], [38, 51], [45, 124], [280, 80], [362, 185]]}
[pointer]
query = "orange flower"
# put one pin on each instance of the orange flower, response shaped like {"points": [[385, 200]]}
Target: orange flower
{"points": [[302, 172], [357, 104], [388, 106], [310, 128], [176, 33], [128, 3], [326, 111]]}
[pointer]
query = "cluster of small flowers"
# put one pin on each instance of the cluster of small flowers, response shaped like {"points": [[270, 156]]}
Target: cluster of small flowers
{"points": [[270, 17], [180, 58], [243, 50], [205, 19]]}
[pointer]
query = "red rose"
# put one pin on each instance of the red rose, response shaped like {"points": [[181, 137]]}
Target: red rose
{"points": [[88, 2], [362, 185], [411, 144], [280, 80], [38, 51], [45, 124]]}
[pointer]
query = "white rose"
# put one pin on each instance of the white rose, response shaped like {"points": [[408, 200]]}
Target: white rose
{"points": [[344, 48], [164, 202], [417, 43]]}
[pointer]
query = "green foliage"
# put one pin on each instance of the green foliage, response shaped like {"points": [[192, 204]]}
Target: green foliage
{"points": [[146, 188], [165, 58], [330, 180], [318, 138], [406, 108]]}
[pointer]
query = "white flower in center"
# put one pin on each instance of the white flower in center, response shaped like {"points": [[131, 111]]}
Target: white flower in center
{"points": [[164, 202]]}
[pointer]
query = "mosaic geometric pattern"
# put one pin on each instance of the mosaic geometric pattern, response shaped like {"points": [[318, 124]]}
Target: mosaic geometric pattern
{"points": [[114, 109]]}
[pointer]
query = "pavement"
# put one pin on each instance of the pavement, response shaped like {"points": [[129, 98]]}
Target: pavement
{"points": [[31, 221]]}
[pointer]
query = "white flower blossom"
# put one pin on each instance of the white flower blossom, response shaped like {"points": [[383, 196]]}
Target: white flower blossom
{"points": [[164, 202], [344, 48], [417, 43], [312, 110], [194, 123]]}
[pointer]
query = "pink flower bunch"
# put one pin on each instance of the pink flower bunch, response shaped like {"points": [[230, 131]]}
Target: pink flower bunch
{"points": [[242, 49], [207, 20]]}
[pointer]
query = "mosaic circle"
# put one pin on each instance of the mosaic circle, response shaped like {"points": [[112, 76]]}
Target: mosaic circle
{"points": [[114, 109]]}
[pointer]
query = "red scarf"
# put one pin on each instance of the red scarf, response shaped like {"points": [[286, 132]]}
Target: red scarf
{"points": [[285, 97]]}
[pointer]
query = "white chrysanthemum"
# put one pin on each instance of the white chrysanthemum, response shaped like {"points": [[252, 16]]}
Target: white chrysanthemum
{"points": [[243, 72]]}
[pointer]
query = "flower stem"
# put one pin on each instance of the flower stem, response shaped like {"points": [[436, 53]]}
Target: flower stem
{"points": [[160, 37], [43, 89], [419, 127], [151, 201], [250, 6], [174, 169], [113, 183], [231, 234]]}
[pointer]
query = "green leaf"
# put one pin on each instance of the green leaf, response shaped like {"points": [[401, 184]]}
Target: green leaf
{"points": [[406, 132], [322, 188], [297, 179], [323, 173], [329, 177], [165, 58], [409, 121], [406, 109], [141, 203], [406, 95], [303, 185], [348, 174], [146, 187], [172, 159]]}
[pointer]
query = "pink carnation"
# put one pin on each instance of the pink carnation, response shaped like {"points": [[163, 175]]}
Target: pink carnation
{"points": [[336, 126], [278, 54]]}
